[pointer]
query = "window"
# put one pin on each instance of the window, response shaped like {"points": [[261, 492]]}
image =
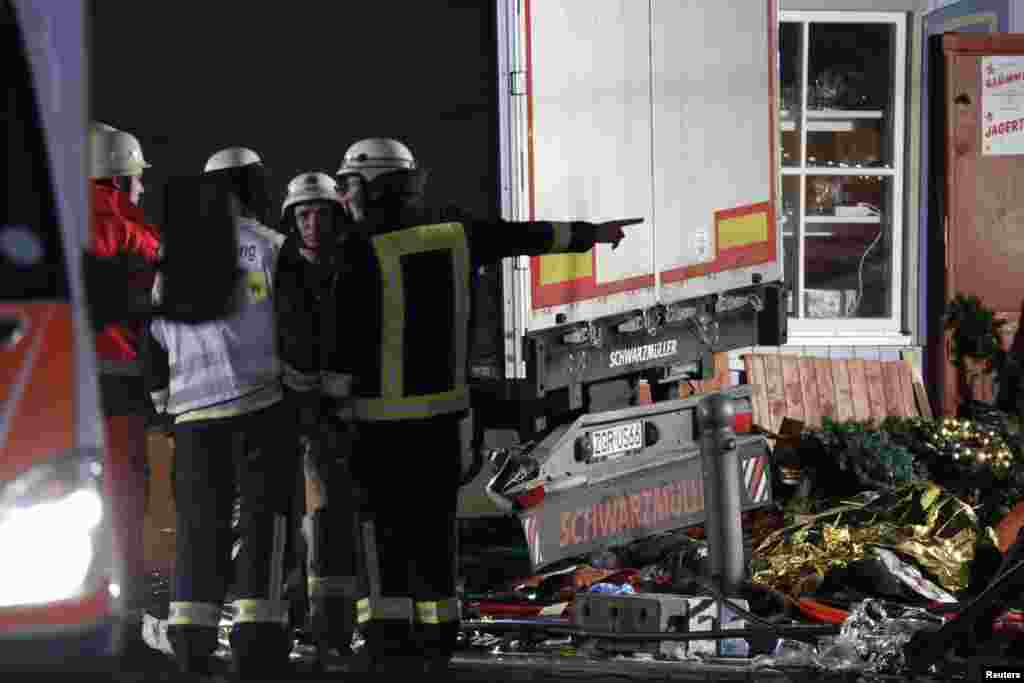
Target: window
{"points": [[841, 118], [31, 249]]}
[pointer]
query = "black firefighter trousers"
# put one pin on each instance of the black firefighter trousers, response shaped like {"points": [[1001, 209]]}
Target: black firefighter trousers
{"points": [[410, 471], [210, 455]]}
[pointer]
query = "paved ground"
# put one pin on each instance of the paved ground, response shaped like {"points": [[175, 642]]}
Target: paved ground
{"points": [[473, 667], [141, 664], [520, 669]]}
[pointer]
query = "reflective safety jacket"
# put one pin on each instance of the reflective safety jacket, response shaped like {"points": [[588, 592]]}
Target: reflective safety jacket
{"points": [[192, 367], [403, 307], [119, 228]]}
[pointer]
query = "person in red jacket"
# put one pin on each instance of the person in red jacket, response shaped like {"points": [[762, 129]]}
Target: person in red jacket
{"points": [[119, 229]]}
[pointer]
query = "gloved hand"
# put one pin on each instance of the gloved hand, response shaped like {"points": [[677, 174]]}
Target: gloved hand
{"points": [[610, 232]]}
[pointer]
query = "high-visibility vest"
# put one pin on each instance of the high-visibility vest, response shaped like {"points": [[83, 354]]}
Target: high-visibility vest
{"points": [[226, 359], [424, 324]]}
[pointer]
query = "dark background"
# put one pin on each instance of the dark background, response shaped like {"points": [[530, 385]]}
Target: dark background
{"points": [[299, 82]]}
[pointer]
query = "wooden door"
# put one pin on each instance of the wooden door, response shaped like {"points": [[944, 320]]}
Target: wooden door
{"points": [[984, 207]]}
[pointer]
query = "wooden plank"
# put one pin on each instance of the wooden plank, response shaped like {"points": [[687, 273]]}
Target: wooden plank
{"points": [[774, 389], [859, 389], [876, 390], [721, 379], [826, 388], [843, 393], [913, 358], [923, 403], [793, 388], [893, 395], [906, 377], [809, 385], [759, 391]]}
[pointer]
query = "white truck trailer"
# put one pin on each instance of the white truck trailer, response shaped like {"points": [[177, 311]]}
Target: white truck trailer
{"points": [[618, 108]]}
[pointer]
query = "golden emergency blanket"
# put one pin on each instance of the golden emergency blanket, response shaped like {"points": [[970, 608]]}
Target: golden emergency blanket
{"points": [[920, 520]]}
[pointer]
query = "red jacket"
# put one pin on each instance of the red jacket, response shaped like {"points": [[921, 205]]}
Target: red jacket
{"points": [[120, 228]]}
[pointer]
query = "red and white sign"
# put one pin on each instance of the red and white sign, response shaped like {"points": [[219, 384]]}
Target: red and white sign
{"points": [[1002, 105]]}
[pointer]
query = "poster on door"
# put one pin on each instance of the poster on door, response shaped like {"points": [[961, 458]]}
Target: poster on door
{"points": [[1002, 105]]}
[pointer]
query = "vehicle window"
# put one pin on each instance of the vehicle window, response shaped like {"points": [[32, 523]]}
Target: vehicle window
{"points": [[31, 249]]}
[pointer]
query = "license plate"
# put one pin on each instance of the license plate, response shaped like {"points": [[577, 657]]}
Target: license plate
{"points": [[618, 439]]}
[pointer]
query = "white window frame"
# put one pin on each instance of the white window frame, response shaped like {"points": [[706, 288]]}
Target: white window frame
{"points": [[854, 331]]}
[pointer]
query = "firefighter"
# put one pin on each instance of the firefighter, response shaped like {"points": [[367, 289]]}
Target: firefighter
{"points": [[221, 383], [406, 392], [120, 231], [363, 162], [312, 216]]}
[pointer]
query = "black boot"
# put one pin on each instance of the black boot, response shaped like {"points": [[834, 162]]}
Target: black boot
{"points": [[260, 651], [193, 648]]}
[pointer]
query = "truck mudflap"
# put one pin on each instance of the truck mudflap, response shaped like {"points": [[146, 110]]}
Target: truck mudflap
{"points": [[614, 478]]}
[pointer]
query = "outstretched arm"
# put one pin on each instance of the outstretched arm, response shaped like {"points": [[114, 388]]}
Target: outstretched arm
{"points": [[495, 240]]}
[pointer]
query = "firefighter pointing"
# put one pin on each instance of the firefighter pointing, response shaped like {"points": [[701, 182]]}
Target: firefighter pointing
{"points": [[401, 378]]}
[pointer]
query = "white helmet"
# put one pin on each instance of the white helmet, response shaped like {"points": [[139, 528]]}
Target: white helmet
{"points": [[114, 153], [311, 186], [373, 156], [232, 157]]}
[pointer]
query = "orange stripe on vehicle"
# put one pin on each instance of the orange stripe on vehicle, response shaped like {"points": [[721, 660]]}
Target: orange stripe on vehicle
{"points": [[42, 423]]}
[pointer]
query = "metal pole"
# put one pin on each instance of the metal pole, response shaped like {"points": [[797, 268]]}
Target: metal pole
{"points": [[722, 501]]}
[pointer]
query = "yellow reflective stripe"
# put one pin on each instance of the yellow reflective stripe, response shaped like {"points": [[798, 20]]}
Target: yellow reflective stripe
{"points": [[412, 407], [463, 298], [363, 611], [194, 614], [438, 611], [337, 385], [333, 586], [390, 248], [562, 237], [389, 609], [392, 316], [252, 610]]}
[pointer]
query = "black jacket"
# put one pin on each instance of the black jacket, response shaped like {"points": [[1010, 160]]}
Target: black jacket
{"points": [[302, 290], [407, 297]]}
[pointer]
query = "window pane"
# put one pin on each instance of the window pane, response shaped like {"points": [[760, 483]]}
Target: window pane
{"points": [[848, 247], [31, 248], [790, 235], [849, 98], [791, 80]]}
